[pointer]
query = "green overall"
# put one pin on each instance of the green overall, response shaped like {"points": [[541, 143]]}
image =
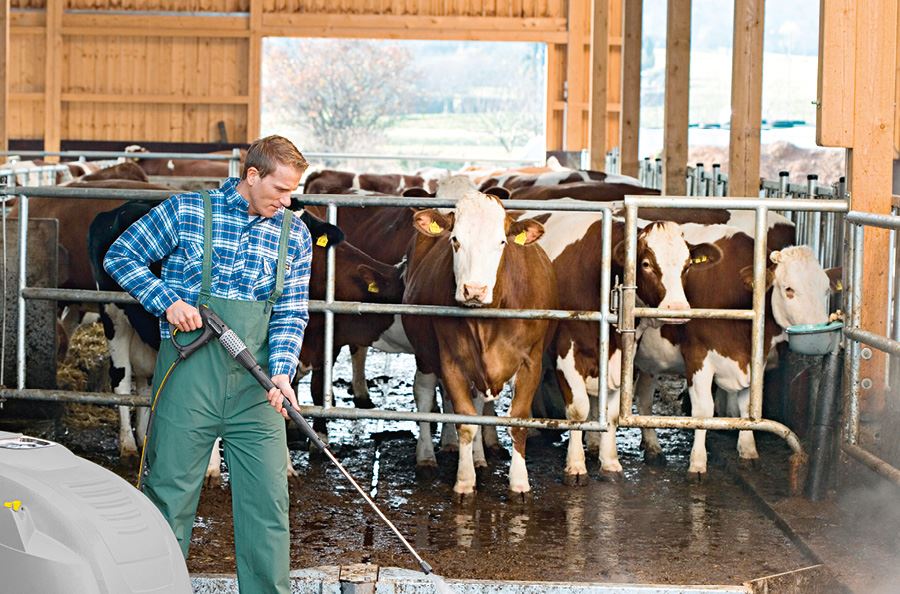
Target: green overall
{"points": [[210, 395]]}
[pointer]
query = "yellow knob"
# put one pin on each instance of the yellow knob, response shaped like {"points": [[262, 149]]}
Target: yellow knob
{"points": [[13, 505]]}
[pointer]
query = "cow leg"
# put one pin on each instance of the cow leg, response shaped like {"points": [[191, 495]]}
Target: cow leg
{"points": [[702, 405], [493, 449], [316, 385], [458, 387], [118, 335], [361, 398], [424, 386], [127, 443], [578, 406], [291, 473], [213, 477], [478, 445], [746, 444], [644, 389], [449, 437], [70, 318], [609, 455], [527, 379]]}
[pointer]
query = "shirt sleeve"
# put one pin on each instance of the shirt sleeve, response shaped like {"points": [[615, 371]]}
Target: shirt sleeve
{"points": [[150, 239], [290, 313]]}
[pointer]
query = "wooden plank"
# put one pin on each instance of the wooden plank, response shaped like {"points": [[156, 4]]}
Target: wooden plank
{"points": [[154, 25], [834, 102], [427, 34], [53, 76], [598, 88], [630, 116], [746, 98], [678, 60], [573, 140], [870, 171], [254, 71], [4, 74], [281, 24], [147, 98]]}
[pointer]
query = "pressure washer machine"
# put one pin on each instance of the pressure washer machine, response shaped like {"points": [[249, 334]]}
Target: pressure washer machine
{"points": [[68, 525]]}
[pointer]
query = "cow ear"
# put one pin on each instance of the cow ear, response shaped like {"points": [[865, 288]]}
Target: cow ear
{"points": [[835, 276], [619, 253], [747, 277], [775, 257], [323, 234], [370, 279], [525, 232], [431, 223], [704, 255], [417, 193], [501, 193]]}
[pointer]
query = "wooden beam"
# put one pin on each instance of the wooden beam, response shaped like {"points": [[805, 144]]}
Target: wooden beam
{"points": [[746, 97], [871, 172], [254, 74], [598, 91], [126, 25], [630, 116], [678, 80], [154, 99], [575, 71], [4, 74], [834, 102], [53, 76]]}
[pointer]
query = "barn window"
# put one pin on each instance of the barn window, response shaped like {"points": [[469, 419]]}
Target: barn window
{"points": [[428, 98]]}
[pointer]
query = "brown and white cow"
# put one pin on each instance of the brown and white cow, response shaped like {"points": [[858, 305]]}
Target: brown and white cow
{"points": [[184, 167], [595, 191], [573, 242], [478, 256], [332, 181], [710, 350], [515, 181]]}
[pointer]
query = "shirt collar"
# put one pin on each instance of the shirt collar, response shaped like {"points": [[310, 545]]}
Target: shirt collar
{"points": [[232, 198]]}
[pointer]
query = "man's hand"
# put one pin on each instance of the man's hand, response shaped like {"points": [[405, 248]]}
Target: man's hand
{"points": [[283, 388], [183, 316]]}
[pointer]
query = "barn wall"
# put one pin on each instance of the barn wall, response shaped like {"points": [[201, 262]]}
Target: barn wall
{"points": [[172, 77]]}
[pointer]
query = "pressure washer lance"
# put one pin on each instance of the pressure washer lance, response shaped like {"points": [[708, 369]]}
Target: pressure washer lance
{"points": [[234, 346]]}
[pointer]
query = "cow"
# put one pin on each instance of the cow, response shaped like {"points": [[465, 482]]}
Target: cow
{"points": [[716, 350], [572, 241], [514, 181], [332, 181], [595, 191], [123, 171], [184, 167], [479, 257]]}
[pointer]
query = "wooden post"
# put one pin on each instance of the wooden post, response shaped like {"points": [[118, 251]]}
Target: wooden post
{"points": [[4, 75], [870, 172], [599, 65], [575, 76], [746, 98], [678, 80], [254, 74], [630, 116], [53, 77], [837, 55]]}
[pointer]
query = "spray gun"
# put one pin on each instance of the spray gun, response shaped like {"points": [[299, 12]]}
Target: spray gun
{"points": [[214, 326]]}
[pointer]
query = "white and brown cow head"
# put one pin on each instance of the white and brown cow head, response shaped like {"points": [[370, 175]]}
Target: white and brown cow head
{"points": [[479, 232], [800, 286], [664, 258]]}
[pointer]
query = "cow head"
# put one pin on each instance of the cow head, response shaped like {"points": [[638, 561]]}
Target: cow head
{"points": [[479, 232], [663, 260], [800, 286]]}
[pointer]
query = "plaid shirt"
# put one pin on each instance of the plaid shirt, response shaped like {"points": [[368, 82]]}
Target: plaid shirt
{"points": [[245, 254]]}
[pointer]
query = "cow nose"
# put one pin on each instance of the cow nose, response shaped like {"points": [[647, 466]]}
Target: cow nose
{"points": [[474, 291]]}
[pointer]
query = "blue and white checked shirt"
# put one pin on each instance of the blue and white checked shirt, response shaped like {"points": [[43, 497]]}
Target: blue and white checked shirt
{"points": [[245, 254]]}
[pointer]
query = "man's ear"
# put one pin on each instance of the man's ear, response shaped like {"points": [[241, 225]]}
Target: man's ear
{"points": [[747, 277], [432, 223]]}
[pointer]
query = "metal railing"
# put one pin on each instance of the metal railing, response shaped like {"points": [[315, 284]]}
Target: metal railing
{"points": [[13, 173], [234, 159], [329, 306], [857, 337]]}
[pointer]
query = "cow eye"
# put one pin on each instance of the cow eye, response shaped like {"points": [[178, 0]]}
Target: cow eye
{"points": [[789, 292], [645, 264], [454, 242]]}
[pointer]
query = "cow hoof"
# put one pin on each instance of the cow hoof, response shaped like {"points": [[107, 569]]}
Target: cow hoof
{"points": [[212, 480], [612, 476], [696, 476], [654, 458], [521, 497], [462, 498], [449, 449], [575, 480], [496, 452], [363, 402], [292, 474], [481, 474], [426, 470], [749, 463]]}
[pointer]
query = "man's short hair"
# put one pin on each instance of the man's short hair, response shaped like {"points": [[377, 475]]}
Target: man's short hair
{"points": [[266, 154]]}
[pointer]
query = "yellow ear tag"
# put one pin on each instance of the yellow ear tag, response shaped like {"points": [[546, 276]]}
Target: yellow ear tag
{"points": [[322, 241], [435, 228], [520, 238], [373, 288], [839, 286]]}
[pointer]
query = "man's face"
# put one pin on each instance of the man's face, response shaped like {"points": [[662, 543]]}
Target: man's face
{"points": [[271, 193]]}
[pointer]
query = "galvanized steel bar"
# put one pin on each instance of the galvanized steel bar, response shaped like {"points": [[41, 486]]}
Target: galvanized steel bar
{"points": [[734, 203], [691, 314], [234, 164], [328, 347], [883, 221], [20, 326], [814, 219], [10, 182], [881, 343], [872, 461], [851, 429], [895, 322], [117, 155], [626, 325], [605, 281], [757, 335]]}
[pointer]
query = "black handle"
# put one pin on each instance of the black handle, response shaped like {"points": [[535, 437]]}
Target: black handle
{"points": [[186, 350]]}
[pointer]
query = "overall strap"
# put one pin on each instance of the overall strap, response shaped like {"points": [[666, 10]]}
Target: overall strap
{"points": [[283, 243], [206, 287]]}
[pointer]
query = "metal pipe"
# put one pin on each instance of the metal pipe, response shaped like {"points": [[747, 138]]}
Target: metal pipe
{"points": [[698, 180], [815, 218], [328, 346], [626, 325], [822, 429], [692, 314], [873, 462], [757, 335], [605, 281], [731, 203], [10, 183], [881, 343], [851, 429], [883, 221], [716, 172], [117, 155], [783, 178], [20, 327], [234, 165], [714, 424], [895, 322]]}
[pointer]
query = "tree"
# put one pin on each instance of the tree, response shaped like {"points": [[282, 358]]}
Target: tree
{"points": [[345, 92]]}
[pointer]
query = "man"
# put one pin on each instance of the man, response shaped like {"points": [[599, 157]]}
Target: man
{"points": [[240, 252]]}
